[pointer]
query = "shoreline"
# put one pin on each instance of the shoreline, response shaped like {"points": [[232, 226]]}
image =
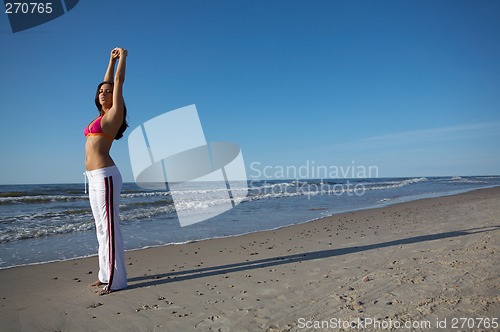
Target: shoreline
{"points": [[381, 205], [427, 259]]}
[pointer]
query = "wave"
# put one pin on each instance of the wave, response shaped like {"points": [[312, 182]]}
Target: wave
{"points": [[146, 194], [146, 213], [459, 179], [50, 216], [398, 184], [491, 177], [318, 188], [38, 199], [20, 233], [384, 200]]}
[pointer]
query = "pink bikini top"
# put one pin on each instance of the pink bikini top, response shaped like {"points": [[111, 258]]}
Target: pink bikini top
{"points": [[95, 129]]}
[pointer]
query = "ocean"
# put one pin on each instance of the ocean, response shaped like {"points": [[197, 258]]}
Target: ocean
{"points": [[43, 223]]}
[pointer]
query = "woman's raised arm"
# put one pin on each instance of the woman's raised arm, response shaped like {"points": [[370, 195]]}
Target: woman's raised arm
{"points": [[115, 116], [109, 76], [119, 79]]}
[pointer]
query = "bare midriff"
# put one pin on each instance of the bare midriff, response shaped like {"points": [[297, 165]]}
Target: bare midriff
{"points": [[97, 153]]}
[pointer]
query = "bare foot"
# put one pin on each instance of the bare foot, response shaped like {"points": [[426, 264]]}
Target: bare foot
{"points": [[97, 283], [104, 291]]}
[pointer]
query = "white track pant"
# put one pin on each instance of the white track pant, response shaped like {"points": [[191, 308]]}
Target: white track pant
{"points": [[105, 185]]}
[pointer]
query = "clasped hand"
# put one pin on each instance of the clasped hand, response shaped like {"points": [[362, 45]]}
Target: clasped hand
{"points": [[118, 52]]}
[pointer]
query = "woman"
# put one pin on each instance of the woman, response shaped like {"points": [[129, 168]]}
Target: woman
{"points": [[105, 181]]}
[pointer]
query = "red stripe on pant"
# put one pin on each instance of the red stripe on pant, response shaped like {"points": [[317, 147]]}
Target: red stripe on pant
{"points": [[110, 218]]}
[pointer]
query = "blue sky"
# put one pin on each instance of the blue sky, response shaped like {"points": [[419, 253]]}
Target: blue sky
{"points": [[412, 87]]}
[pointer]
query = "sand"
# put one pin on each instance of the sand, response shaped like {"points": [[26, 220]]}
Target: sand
{"points": [[427, 263]]}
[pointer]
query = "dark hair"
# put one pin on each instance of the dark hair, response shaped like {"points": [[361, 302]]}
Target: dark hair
{"points": [[124, 125]]}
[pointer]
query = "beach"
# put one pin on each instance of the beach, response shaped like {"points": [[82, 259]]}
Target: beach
{"points": [[428, 263]]}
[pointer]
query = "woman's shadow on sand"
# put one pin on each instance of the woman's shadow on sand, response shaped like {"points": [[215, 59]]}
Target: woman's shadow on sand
{"points": [[157, 279]]}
